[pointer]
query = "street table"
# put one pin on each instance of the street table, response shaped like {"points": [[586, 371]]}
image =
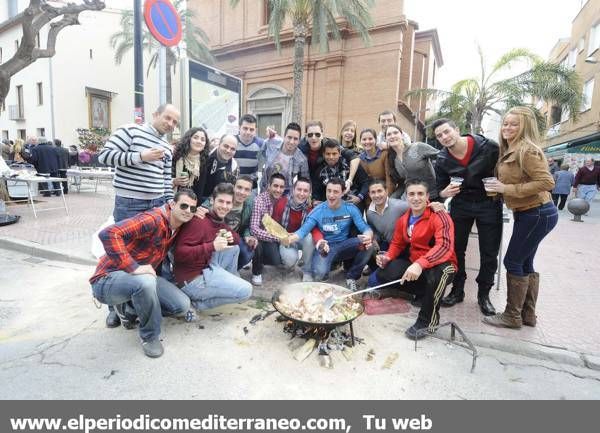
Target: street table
{"points": [[96, 175], [34, 181]]}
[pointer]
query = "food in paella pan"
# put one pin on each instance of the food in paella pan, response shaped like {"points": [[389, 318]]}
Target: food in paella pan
{"points": [[307, 305]]}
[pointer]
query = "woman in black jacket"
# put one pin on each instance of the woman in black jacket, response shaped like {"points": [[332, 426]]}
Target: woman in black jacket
{"points": [[189, 161]]}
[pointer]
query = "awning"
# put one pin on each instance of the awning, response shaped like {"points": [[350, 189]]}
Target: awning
{"points": [[556, 151], [591, 147]]}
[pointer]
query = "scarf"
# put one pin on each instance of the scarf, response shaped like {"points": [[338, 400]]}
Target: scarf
{"points": [[214, 218], [192, 165], [364, 156], [291, 205]]}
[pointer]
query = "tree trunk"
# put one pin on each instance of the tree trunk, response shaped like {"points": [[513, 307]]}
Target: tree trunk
{"points": [[299, 43]]}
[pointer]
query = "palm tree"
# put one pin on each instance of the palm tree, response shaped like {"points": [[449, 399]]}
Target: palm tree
{"points": [[323, 16], [196, 43], [469, 100]]}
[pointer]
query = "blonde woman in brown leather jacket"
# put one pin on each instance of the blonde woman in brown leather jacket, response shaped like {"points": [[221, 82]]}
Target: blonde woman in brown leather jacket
{"points": [[524, 180]]}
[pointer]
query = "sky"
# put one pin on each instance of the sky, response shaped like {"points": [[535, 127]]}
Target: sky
{"points": [[497, 26]]}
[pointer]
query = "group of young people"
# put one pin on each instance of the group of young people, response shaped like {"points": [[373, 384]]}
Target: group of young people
{"points": [[188, 220]]}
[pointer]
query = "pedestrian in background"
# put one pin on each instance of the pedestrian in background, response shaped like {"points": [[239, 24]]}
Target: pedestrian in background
{"points": [[587, 181], [524, 180], [45, 159], [563, 180], [63, 163]]}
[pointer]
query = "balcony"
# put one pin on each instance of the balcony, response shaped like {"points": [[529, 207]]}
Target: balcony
{"points": [[16, 112], [553, 131]]}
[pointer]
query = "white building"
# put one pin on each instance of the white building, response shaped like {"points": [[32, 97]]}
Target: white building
{"points": [[80, 87]]}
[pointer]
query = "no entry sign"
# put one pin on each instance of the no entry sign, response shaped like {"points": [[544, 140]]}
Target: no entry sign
{"points": [[163, 21]]}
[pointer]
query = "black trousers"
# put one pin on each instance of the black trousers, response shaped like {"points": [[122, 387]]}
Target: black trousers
{"points": [[65, 184], [430, 285], [487, 215], [563, 200]]}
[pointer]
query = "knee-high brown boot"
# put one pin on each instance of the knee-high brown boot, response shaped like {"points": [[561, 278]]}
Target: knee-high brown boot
{"points": [[528, 312], [516, 288]]}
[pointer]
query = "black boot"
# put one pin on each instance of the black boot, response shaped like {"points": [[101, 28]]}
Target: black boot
{"points": [[456, 296], [483, 299]]}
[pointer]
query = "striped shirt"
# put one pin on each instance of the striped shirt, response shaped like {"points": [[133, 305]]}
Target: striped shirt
{"points": [[135, 178], [247, 156]]}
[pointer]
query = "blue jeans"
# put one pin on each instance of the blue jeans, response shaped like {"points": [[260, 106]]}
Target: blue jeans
{"points": [[130, 207], [219, 283], [531, 226], [152, 297], [339, 251], [246, 254], [587, 192], [289, 255]]}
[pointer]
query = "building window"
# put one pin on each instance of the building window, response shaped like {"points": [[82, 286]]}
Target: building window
{"points": [[91, 54], [40, 94], [594, 41], [266, 12], [20, 105], [572, 58], [588, 91], [41, 132], [5, 134], [17, 45], [22, 133], [565, 114], [37, 40]]}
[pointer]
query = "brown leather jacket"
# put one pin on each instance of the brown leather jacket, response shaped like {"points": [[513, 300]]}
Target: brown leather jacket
{"points": [[524, 170]]}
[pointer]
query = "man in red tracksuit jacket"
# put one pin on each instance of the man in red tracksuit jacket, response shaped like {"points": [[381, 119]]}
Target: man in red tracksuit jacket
{"points": [[422, 255]]}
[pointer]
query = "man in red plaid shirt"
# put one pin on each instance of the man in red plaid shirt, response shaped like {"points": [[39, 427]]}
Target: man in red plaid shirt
{"points": [[135, 247]]}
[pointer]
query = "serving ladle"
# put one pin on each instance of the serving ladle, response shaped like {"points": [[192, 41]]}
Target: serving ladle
{"points": [[332, 299]]}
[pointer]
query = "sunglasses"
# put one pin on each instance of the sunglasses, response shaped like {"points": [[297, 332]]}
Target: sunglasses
{"points": [[185, 206], [313, 134]]}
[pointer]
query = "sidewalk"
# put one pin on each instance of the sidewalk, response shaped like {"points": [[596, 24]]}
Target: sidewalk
{"points": [[568, 299]]}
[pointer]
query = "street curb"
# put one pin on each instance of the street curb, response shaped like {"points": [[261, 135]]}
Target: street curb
{"points": [[37, 250]]}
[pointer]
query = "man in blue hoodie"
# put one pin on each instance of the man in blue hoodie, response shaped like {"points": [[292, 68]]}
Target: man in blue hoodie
{"points": [[335, 218]]}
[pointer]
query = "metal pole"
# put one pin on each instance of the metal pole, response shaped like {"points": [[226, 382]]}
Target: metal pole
{"points": [[162, 75], [138, 81]]}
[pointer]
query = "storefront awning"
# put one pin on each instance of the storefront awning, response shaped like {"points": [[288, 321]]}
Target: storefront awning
{"points": [[591, 147]]}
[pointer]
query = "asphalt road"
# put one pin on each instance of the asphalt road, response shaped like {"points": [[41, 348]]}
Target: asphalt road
{"points": [[54, 345]]}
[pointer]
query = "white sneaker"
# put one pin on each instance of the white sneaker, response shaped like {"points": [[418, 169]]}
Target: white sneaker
{"points": [[352, 284], [257, 280], [307, 278]]}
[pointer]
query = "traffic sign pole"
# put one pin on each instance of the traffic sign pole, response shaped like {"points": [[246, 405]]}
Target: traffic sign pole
{"points": [[138, 61]]}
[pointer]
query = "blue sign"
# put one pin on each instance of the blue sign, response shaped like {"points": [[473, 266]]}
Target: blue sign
{"points": [[163, 21]]}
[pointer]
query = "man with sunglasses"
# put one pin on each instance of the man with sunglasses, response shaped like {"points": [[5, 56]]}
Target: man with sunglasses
{"points": [[312, 147], [206, 256], [126, 275]]}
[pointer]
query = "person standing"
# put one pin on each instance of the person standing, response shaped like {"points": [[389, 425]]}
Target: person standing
{"points": [[46, 160], [587, 181], [63, 157], [249, 147], [384, 119], [463, 163], [221, 166], [409, 162], [142, 158], [283, 156], [373, 160], [135, 248], [563, 180], [524, 180], [190, 159]]}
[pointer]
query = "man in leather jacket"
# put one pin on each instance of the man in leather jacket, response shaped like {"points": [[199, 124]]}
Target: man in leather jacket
{"points": [[460, 167]]}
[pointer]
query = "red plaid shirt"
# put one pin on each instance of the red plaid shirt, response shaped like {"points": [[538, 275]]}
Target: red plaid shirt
{"points": [[141, 240]]}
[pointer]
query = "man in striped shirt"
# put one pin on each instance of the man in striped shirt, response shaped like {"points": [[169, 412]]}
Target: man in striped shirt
{"points": [[142, 158], [249, 147]]}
